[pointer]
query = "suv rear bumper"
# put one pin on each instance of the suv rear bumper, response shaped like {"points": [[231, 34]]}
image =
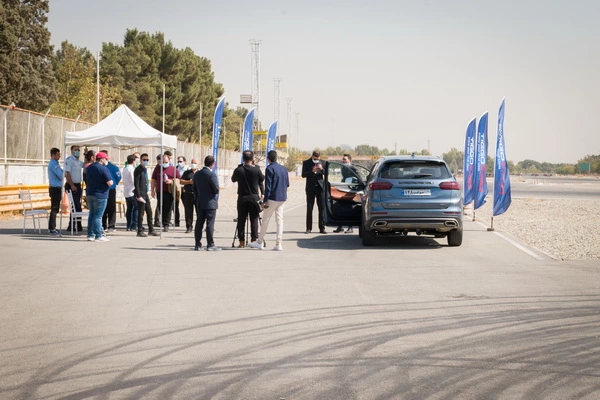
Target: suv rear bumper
{"points": [[383, 225]]}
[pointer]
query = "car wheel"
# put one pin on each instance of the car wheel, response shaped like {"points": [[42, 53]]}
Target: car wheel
{"points": [[455, 237], [360, 230], [368, 237]]}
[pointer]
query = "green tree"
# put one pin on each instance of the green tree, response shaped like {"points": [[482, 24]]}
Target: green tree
{"points": [[232, 125], [74, 69], [26, 75], [139, 68], [455, 159], [295, 158]]}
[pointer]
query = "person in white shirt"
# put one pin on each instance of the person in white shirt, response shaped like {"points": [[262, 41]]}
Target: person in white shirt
{"points": [[132, 210]]}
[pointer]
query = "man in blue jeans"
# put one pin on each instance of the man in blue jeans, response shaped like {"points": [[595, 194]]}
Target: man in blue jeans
{"points": [[98, 182]]}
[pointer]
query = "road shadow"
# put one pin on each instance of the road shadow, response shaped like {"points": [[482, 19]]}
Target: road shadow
{"points": [[353, 242], [460, 347]]}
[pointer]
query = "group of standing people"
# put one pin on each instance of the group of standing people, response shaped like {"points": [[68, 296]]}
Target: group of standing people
{"points": [[196, 187], [101, 178]]}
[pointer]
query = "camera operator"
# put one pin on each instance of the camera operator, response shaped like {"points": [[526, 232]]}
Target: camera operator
{"points": [[249, 179]]}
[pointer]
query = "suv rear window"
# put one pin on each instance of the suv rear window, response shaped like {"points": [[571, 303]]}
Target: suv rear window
{"points": [[414, 170]]}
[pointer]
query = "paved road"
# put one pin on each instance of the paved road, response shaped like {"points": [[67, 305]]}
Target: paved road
{"points": [[325, 319]]}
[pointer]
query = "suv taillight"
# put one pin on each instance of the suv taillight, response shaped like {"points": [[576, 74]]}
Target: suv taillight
{"points": [[450, 186], [380, 185]]}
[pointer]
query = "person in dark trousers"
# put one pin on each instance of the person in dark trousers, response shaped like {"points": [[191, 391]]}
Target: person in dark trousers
{"points": [[109, 219], [187, 195], [140, 191], [276, 186], [162, 183], [312, 170], [206, 190], [348, 171], [250, 180], [55, 179], [153, 184], [74, 177], [131, 214]]}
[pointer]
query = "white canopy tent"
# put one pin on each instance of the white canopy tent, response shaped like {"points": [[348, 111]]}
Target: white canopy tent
{"points": [[122, 129]]}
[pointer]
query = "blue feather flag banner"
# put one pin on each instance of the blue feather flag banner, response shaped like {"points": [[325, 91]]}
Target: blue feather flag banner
{"points": [[469, 163], [502, 196], [248, 135], [271, 135], [217, 128], [480, 184]]}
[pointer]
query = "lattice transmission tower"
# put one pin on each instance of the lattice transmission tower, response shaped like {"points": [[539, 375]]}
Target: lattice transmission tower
{"points": [[277, 100], [289, 119], [255, 79]]}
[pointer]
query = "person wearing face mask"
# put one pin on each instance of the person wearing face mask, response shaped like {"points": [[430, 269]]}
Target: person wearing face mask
{"points": [[312, 170], [181, 168], [348, 171], [128, 186], [187, 195], [140, 191], [98, 183], [74, 176], [164, 177], [109, 219]]}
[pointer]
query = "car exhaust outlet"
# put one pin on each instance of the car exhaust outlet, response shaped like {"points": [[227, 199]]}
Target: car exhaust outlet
{"points": [[380, 223], [452, 224]]}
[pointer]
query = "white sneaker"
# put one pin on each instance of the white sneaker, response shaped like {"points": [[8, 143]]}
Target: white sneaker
{"points": [[256, 245], [91, 238], [103, 239], [278, 247]]}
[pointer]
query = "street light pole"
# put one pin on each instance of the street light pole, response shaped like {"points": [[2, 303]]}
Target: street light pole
{"points": [[98, 87]]}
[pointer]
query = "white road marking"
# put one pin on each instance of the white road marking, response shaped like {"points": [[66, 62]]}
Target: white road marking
{"points": [[514, 243]]}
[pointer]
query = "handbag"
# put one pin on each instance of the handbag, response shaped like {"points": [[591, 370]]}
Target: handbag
{"points": [[258, 203]]}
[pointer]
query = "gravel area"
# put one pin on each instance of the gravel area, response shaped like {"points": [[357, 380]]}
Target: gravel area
{"points": [[563, 229]]}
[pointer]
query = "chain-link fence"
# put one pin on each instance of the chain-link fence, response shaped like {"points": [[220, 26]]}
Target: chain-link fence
{"points": [[27, 138]]}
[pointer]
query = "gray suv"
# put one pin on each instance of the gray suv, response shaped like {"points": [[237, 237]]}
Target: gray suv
{"points": [[401, 194]]}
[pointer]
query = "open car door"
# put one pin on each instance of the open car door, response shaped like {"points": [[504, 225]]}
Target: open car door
{"points": [[343, 187]]}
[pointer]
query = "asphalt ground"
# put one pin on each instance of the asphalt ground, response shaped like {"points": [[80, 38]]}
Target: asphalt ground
{"points": [[149, 318]]}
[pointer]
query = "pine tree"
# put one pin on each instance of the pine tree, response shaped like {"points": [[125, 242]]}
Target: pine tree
{"points": [[26, 75]]}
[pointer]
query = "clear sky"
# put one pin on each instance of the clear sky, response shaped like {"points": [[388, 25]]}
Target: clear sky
{"points": [[386, 73]]}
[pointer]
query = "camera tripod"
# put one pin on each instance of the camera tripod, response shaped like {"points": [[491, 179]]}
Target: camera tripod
{"points": [[247, 230]]}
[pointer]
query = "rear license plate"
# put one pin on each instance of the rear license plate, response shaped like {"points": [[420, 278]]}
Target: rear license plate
{"points": [[416, 192]]}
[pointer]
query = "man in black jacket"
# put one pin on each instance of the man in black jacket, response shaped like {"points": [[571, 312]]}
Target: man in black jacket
{"points": [[312, 170], [140, 191], [206, 189], [250, 179]]}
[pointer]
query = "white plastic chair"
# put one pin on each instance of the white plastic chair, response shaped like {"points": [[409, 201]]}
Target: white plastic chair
{"points": [[29, 211], [75, 215]]}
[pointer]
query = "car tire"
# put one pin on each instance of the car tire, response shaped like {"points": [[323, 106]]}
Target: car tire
{"points": [[360, 231], [455, 237], [368, 237]]}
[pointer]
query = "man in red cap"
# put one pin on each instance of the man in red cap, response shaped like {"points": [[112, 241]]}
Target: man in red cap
{"points": [[98, 182]]}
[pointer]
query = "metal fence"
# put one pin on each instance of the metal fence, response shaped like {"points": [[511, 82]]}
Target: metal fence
{"points": [[27, 138]]}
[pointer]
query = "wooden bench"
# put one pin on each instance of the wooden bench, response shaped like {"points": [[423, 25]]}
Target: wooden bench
{"points": [[11, 202]]}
